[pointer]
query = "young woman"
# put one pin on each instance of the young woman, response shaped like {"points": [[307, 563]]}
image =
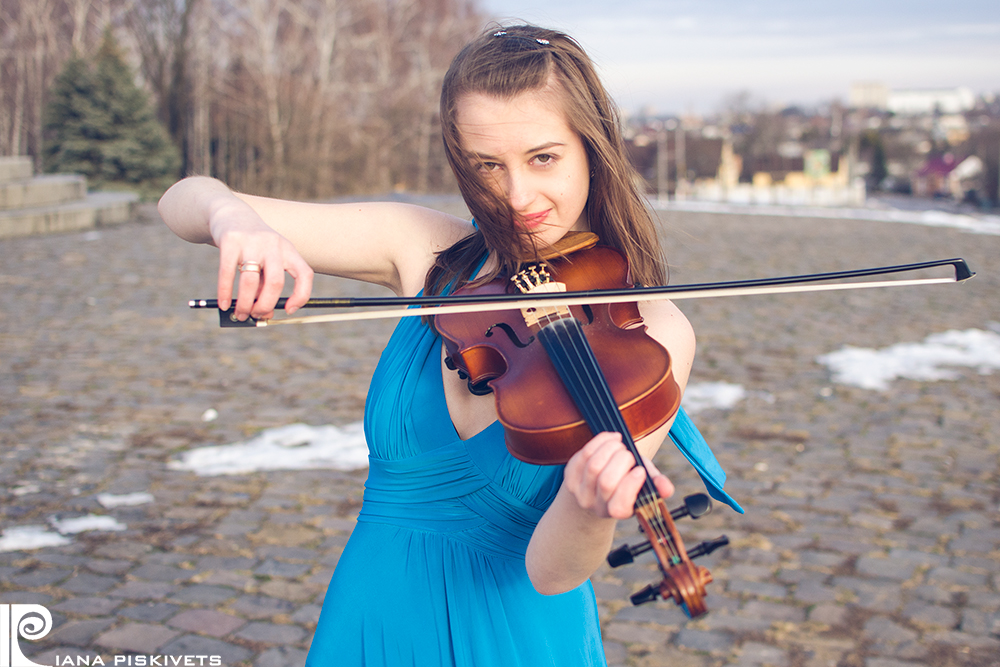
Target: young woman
{"points": [[463, 555]]}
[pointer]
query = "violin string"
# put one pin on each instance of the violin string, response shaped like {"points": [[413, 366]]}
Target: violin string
{"points": [[575, 356]]}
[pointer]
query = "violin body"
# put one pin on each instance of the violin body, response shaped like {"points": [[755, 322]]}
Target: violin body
{"points": [[501, 349]]}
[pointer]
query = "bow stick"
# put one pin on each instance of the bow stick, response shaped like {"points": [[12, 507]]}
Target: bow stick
{"points": [[437, 305]]}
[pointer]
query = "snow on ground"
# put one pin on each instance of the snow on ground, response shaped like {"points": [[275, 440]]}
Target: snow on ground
{"points": [[933, 359]]}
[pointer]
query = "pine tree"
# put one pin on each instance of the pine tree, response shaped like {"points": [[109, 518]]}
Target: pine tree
{"points": [[100, 124]]}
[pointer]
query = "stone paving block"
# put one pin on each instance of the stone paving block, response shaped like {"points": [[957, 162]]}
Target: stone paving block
{"points": [[978, 622], [615, 653], [921, 557], [143, 590], [929, 616], [323, 576], [151, 612], [79, 633], [260, 606], [828, 614], [157, 572], [198, 645], [307, 615], [953, 577], [206, 621], [137, 637], [630, 633], [204, 594], [735, 622], [84, 583], [973, 542], [765, 655], [119, 550], [873, 594], [109, 566], [963, 640], [281, 656], [824, 559], [891, 662], [889, 568], [88, 606], [710, 641], [225, 563], [757, 588], [276, 568], [774, 611], [288, 590], [935, 594], [812, 592], [272, 633], [886, 634], [746, 571], [43, 576], [670, 616]]}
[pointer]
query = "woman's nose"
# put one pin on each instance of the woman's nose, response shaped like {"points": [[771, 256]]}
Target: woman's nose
{"points": [[520, 192]]}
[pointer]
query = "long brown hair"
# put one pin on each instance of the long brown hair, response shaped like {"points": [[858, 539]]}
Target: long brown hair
{"points": [[505, 62]]}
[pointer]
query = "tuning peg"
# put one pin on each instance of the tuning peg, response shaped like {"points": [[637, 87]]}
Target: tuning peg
{"points": [[647, 594], [695, 506], [708, 547], [625, 554]]}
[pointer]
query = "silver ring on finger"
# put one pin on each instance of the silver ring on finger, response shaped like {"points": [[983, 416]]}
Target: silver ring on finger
{"points": [[255, 267]]}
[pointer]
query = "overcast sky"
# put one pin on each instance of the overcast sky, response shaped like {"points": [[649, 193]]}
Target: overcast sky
{"points": [[681, 55]]}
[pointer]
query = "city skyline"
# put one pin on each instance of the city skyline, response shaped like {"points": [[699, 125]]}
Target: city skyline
{"points": [[681, 56]]}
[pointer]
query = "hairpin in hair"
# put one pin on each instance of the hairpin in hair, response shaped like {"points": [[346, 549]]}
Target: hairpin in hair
{"points": [[502, 33]]}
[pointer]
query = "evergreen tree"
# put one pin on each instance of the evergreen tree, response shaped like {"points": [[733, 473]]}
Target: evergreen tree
{"points": [[100, 124]]}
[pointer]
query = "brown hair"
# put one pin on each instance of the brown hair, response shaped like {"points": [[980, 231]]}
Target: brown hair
{"points": [[505, 62]]}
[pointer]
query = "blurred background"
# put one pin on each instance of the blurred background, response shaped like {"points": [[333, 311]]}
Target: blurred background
{"points": [[774, 102]]}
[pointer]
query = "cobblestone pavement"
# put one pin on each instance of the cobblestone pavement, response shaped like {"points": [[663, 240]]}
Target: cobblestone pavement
{"points": [[872, 527]]}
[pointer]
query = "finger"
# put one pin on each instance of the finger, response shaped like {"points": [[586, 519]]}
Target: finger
{"points": [[621, 504], [585, 466], [249, 281], [303, 275], [268, 290], [615, 470], [228, 259], [663, 484]]}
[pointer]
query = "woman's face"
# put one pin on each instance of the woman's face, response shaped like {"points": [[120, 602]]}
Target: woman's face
{"points": [[526, 151]]}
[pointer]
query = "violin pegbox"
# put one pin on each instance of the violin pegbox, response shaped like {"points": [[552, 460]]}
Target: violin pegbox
{"points": [[535, 279]]}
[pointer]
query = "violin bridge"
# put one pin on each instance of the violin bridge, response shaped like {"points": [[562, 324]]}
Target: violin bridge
{"points": [[535, 279]]}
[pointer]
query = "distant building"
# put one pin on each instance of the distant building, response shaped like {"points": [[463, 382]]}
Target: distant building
{"points": [[875, 95], [868, 95], [948, 101]]}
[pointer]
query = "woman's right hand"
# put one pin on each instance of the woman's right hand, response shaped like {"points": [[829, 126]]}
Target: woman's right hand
{"points": [[200, 209], [259, 257]]}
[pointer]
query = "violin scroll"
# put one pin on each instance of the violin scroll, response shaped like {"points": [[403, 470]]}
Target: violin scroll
{"points": [[683, 581]]}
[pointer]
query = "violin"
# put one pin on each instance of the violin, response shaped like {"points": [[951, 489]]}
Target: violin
{"points": [[559, 375]]}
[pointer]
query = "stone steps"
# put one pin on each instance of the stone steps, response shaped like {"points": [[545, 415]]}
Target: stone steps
{"points": [[52, 203]]}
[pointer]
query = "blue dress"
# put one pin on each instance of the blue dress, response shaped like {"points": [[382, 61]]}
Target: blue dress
{"points": [[433, 574]]}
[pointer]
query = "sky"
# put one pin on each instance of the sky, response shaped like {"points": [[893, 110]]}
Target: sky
{"points": [[679, 56]]}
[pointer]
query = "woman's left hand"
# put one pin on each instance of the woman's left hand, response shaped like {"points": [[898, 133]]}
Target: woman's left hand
{"points": [[604, 479]]}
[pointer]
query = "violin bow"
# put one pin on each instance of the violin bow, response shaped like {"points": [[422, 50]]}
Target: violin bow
{"points": [[438, 305]]}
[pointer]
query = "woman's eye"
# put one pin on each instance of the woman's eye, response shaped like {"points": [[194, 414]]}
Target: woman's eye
{"points": [[544, 158]]}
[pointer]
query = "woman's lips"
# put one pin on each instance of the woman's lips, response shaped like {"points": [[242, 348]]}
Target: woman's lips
{"points": [[534, 219]]}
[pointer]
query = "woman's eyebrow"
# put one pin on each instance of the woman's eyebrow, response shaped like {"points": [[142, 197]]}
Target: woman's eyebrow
{"points": [[547, 145]]}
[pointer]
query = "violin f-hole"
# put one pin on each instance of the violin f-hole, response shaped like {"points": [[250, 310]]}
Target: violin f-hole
{"points": [[511, 334]]}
